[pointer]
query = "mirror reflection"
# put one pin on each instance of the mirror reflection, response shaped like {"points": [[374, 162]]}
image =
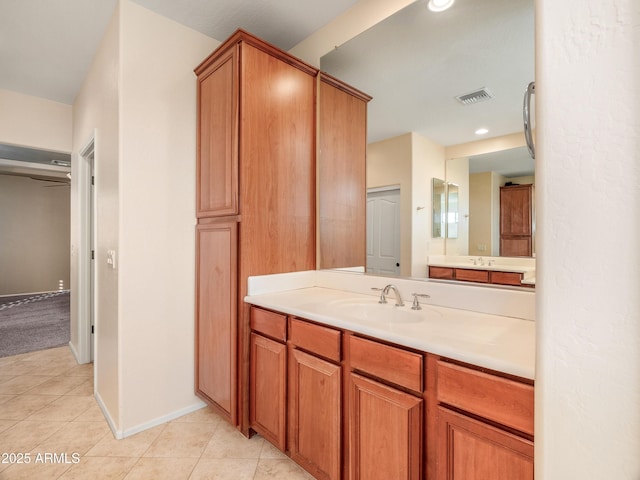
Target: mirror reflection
{"points": [[420, 67]]}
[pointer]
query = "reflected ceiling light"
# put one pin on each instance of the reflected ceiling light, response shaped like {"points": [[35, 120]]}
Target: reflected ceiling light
{"points": [[439, 5], [482, 131]]}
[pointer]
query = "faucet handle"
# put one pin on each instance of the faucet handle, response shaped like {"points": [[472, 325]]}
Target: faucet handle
{"points": [[416, 303], [383, 299]]}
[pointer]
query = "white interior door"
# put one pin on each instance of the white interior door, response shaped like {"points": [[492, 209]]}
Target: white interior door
{"points": [[383, 231]]}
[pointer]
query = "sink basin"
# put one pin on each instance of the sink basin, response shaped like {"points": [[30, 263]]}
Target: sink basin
{"points": [[370, 310]]}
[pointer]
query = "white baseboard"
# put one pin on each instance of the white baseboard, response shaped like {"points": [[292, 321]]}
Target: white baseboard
{"points": [[75, 352], [164, 419], [116, 433]]}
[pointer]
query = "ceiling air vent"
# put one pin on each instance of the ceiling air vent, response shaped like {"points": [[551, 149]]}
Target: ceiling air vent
{"points": [[474, 97]]}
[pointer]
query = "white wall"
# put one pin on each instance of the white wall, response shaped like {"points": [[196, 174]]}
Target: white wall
{"points": [[34, 122], [427, 163], [34, 237], [96, 108], [588, 276], [157, 215]]}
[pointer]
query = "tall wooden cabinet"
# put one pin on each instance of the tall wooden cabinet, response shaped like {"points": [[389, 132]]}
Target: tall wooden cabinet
{"points": [[516, 221], [255, 200], [342, 135]]}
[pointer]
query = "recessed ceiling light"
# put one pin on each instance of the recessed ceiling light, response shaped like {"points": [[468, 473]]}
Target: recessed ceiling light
{"points": [[439, 5], [482, 131]]}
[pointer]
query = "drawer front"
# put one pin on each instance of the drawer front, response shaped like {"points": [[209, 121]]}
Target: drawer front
{"points": [[388, 363], [268, 323], [441, 272], [316, 339], [504, 401], [469, 275], [506, 278]]}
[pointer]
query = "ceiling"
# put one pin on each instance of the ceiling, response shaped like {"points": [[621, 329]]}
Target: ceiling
{"points": [[413, 63], [416, 62]]}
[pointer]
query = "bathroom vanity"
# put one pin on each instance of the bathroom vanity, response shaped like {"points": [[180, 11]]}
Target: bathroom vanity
{"points": [[353, 389]]}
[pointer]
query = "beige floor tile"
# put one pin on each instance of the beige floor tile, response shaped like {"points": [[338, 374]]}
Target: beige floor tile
{"points": [[272, 469], [91, 414], [204, 415], [6, 424], [83, 370], [25, 436], [84, 389], [92, 468], [227, 442], [74, 437], [162, 469], [22, 383], [182, 440], [34, 471], [59, 385], [64, 408], [224, 469], [133, 446], [22, 406], [5, 398], [271, 451], [3, 377]]}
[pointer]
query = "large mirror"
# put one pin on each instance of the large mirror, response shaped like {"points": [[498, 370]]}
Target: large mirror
{"points": [[436, 79]]}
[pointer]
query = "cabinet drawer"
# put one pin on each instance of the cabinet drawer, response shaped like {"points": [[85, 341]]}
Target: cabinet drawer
{"points": [[268, 323], [441, 272], [469, 275], [504, 401], [506, 278], [316, 339], [393, 364]]}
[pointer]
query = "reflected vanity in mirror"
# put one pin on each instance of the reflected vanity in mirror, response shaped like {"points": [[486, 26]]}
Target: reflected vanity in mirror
{"points": [[435, 79]]}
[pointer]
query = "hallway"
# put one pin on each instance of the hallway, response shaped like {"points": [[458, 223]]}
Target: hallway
{"points": [[47, 407]]}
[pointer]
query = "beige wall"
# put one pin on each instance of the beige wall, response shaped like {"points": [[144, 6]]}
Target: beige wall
{"points": [[96, 108], [409, 161], [34, 237], [34, 122], [157, 218], [458, 174]]}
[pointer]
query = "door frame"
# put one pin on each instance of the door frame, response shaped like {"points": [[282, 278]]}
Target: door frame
{"points": [[86, 298]]}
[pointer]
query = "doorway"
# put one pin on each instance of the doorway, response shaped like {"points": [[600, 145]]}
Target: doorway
{"points": [[86, 257], [383, 230]]}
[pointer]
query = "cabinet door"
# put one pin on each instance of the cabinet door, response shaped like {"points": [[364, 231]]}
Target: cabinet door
{"points": [[315, 414], [217, 139], [385, 432], [267, 410], [515, 210], [471, 450], [342, 132], [216, 305]]}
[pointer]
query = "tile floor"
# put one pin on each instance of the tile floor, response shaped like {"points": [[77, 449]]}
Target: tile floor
{"points": [[47, 407]]}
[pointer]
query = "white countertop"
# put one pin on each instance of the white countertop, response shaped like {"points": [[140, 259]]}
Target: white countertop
{"points": [[501, 343]]}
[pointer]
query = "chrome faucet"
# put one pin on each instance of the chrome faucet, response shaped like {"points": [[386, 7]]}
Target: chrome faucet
{"points": [[385, 292], [481, 260]]}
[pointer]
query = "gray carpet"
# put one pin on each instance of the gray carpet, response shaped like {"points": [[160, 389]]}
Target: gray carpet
{"points": [[33, 322]]}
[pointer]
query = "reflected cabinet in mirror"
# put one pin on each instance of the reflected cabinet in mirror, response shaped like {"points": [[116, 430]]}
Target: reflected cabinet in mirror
{"points": [[437, 78]]}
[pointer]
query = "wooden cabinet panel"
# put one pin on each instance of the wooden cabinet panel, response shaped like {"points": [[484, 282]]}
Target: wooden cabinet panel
{"points": [[506, 278], [317, 339], [385, 432], [501, 400], [277, 168], [469, 275], [315, 412], [268, 406], [443, 273], [217, 155], [268, 323], [471, 450], [216, 296], [392, 364], [342, 148], [516, 221]]}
